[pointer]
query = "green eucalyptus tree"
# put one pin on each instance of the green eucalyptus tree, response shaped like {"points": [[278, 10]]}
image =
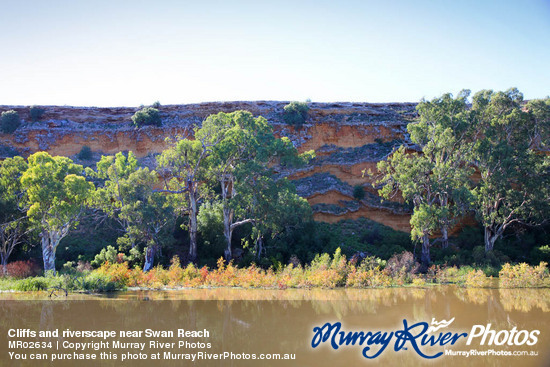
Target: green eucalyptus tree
{"points": [[56, 193], [245, 148], [13, 221], [514, 185], [275, 208], [539, 131], [183, 171], [432, 173], [443, 133], [127, 196]]}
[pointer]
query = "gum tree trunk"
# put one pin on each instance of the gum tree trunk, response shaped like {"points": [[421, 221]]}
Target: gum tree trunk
{"points": [[227, 232], [150, 253], [49, 246], [259, 247], [192, 224], [445, 237], [425, 256], [490, 239], [226, 182], [50, 240], [4, 263]]}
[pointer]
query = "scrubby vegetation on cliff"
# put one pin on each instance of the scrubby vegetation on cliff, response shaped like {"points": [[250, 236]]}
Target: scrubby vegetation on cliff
{"points": [[295, 113], [9, 121], [147, 116]]}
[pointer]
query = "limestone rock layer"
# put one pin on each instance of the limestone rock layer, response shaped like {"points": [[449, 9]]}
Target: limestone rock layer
{"points": [[349, 138]]}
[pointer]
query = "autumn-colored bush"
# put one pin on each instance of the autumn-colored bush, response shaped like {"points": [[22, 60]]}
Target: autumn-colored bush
{"points": [[524, 276], [189, 276], [445, 275], [22, 269], [292, 276], [402, 267], [464, 276], [368, 278], [117, 273], [324, 271], [476, 279]]}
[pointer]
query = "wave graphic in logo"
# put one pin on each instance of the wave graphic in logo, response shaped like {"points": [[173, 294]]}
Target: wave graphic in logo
{"points": [[439, 325]]}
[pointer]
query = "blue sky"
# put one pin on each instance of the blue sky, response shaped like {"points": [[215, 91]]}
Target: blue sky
{"points": [[113, 53]]}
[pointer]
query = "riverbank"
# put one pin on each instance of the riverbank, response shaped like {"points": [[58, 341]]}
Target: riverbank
{"points": [[323, 272]]}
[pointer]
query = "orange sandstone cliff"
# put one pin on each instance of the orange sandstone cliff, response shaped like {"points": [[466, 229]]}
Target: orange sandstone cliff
{"points": [[347, 137]]}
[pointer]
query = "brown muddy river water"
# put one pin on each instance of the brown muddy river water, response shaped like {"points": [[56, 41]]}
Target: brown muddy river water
{"points": [[236, 324]]}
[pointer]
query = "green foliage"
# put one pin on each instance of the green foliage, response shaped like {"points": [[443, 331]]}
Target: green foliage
{"points": [[9, 121], [210, 226], [107, 254], [55, 190], [184, 172], [244, 149], [11, 170], [127, 196], [514, 185], [499, 137], [55, 196], [541, 253], [358, 192], [147, 116], [38, 283], [539, 116], [85, 153], [13, 224], [295, 113], [36, 113], [308, 239], [97, 282]]}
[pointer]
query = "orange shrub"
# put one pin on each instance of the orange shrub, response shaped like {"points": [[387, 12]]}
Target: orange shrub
{"points": [[117, 273]]}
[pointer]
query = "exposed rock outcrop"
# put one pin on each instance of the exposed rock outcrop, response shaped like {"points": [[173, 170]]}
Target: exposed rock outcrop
{"points": [[349, 138]]}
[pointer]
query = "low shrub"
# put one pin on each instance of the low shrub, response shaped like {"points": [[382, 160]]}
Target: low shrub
{"points": [[295, 113], [358, 192], [85, 153], [444, 275], [476, 279], [147, 116], [98, 282], [80, 267], [368, 278], [37, 283], [117, 273], [9, 121], [36, 113]]}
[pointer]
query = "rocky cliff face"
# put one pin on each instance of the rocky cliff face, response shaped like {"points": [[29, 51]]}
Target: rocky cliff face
{"points": [[347, 137]]}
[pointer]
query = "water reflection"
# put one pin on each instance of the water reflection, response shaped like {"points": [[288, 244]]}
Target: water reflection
{"points": [[269, 321], [525, 299]]}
